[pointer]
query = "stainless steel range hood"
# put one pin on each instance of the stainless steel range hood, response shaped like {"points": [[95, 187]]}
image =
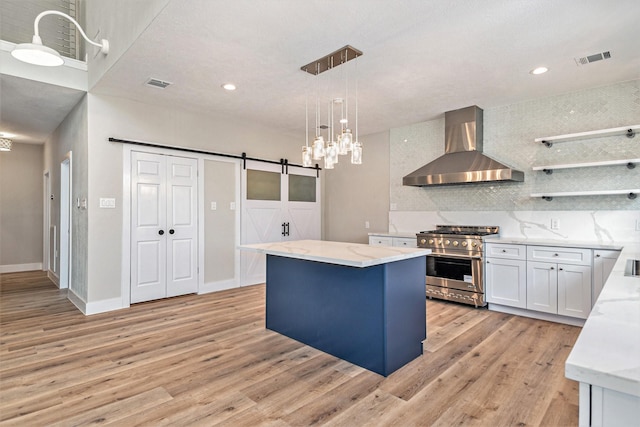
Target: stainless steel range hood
{"points": [[463, 161]]}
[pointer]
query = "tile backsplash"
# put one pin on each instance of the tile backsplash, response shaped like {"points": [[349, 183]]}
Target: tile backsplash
{"points": [[509, 134]]}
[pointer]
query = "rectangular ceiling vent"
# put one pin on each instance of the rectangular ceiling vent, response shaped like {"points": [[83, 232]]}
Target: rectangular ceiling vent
{"points": [[592, 58], [161, 84]]}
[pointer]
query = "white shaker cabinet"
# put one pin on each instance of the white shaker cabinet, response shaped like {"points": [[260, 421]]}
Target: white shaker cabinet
{"points": [[388, 240], [506, 274], [542, 287], [603, 262]]}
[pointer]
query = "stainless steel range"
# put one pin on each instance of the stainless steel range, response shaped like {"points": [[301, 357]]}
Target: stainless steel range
{"points": [[454, 268]]}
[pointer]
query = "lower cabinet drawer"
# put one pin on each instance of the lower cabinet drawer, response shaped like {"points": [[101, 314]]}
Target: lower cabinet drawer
{"points": [[576, 256], [405, 242], [380, 241], [505, 251]]}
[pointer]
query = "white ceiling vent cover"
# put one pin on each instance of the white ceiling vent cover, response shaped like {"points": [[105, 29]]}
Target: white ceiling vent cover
{"points": [[161, 84], [592, 58]]}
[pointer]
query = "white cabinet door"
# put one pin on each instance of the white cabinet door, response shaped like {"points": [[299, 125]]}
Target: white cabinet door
{"points": [[164, 229], [603, 262], [542, 287], [574, 290], [506, 282]]}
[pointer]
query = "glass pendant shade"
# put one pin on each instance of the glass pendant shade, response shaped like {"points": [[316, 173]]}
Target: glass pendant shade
{"points": [[307, 156], [331, 152], [346, 141], [328, 162], [356, 153], [318, 148]]}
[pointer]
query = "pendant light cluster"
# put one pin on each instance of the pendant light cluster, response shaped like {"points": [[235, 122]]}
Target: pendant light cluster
{"points": [[340, 140]]}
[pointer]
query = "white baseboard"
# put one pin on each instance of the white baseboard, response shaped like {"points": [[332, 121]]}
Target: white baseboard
{"points": [[54, 278], [218, 286], [16, 268], [537, 315], [89, 308]]}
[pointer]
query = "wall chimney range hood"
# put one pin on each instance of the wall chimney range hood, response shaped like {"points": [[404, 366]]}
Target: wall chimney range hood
{"points": [[463, 161]]}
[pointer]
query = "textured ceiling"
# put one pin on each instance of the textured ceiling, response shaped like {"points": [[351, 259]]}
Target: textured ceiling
{"points": [[421, 57]]}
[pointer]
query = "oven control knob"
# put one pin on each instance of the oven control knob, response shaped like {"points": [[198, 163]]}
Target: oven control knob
{"points": [[464, 243], [423, 241], [455, 243], [474, 244], [446, 242], [440, 241], [431, 241]]}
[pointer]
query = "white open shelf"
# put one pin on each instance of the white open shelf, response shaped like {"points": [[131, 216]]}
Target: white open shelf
{"points": [[624, 130], [631, 193], [588, 165]]}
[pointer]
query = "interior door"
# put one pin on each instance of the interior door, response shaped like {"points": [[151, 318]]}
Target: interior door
{"points": [[182, 225], [261, 216], [148, 220], [277, 206], [164, 229]]}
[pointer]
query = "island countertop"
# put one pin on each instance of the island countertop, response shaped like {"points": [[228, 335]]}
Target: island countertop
{"points": [[340, 253]]}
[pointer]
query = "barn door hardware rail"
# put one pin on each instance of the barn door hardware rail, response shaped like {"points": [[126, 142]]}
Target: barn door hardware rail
{"points": [[283, 162]]}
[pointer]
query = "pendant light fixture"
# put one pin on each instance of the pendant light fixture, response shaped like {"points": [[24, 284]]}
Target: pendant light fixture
{"points": [[344, 142], [38, 54]]}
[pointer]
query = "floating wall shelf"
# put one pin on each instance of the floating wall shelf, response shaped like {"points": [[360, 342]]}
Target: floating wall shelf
{"points": [[629, 131], [630, 163], [631, 194]]}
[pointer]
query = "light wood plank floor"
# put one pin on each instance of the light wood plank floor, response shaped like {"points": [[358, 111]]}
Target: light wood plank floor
{"points": [[208, 360]]}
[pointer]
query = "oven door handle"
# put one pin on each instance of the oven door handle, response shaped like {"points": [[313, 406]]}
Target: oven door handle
{"points": [[455, 256]]}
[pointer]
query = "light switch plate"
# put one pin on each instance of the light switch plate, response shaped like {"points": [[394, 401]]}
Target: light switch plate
{"points": [[107, 203], [232, 206], [214, 206]]}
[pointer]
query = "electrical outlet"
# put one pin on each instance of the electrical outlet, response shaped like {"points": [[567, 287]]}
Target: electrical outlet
{"points": [[366, 224], [637, 224], [555, 224], [393, 206], [214, 206]]}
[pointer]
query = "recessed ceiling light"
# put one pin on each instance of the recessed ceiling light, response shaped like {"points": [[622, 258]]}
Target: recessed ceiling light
{"points": [[229, 86], [539, 70]]}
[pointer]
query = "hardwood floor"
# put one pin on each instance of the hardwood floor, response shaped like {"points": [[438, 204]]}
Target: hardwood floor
{"points": [[208, 360]]}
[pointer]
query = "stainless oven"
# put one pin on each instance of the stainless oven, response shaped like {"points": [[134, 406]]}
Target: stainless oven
{"points": [[455, 266]]}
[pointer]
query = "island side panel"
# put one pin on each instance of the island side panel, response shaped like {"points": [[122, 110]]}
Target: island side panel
{"points": [[334, 308], [406, 322]]}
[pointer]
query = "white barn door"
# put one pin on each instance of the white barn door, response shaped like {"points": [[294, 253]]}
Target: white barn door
{"points": [[276, 207], [163, 226]]}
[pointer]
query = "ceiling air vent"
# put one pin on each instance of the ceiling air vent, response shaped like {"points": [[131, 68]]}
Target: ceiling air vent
{"points": [[161, 84], [592, 58]]}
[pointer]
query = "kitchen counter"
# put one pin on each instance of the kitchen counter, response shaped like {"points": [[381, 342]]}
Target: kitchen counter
{"points": [[373, 315], [552, 242], [341, 253], [607, 352]]}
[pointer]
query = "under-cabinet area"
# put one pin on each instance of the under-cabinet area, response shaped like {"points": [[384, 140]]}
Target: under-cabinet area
{"points": [[551, 282]]}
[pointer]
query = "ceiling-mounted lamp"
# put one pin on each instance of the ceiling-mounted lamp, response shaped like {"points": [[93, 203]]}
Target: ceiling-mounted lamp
{"points": [[38, 54], [5, 144], [345, 141]]}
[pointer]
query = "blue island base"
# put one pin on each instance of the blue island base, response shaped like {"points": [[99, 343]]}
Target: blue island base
{"points": [[374, 317]]}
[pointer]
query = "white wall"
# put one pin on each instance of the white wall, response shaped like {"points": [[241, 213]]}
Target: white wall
{"points": [[21, 201], [119, 118], [355, 194], [71, 135]]}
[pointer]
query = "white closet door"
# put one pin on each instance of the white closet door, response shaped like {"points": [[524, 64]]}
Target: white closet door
{"points": [[164, 226], [148, 221], [182, 225]]}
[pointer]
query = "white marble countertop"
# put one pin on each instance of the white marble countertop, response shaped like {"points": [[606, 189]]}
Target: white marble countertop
{"points": [[553, 242], [607, 352], [398, 234], [349, 254]]}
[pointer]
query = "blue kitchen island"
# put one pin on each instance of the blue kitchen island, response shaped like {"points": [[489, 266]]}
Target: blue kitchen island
{"points": [[364, 304]]}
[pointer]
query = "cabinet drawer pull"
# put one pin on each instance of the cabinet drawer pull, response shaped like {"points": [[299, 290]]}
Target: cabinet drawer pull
{"points": [[560, 269], [552, 268]]}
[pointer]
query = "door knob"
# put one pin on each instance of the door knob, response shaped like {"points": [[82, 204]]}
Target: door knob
{"points": [[161, 232], [172, 231]]}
